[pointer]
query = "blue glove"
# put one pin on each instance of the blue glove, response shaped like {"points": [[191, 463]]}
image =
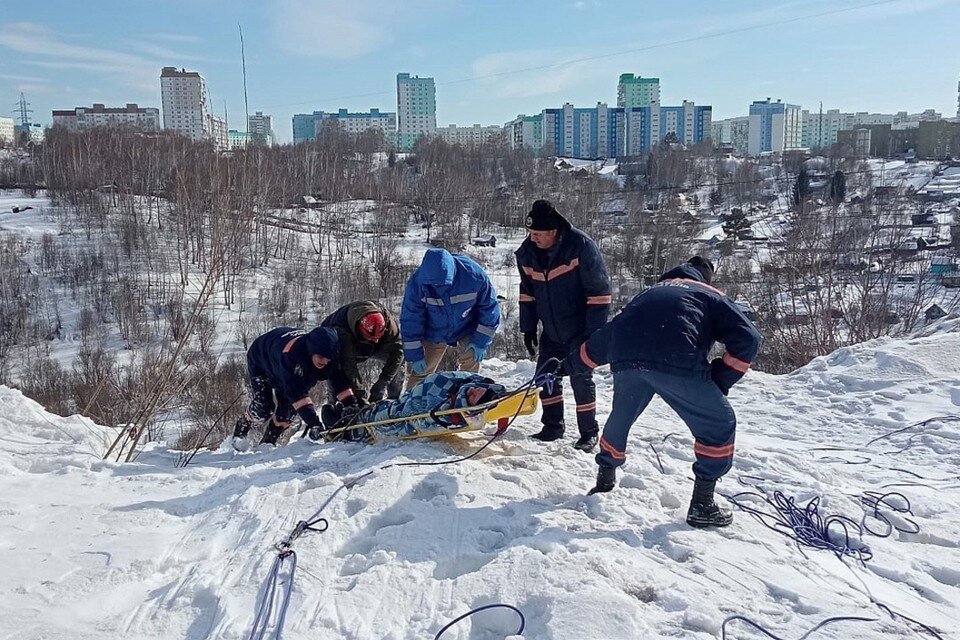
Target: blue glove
{"points": [[419, 367], [479, 353]]}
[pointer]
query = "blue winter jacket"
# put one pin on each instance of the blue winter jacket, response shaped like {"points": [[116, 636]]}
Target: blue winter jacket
{"points": [[448, 298], [283, 357], [672, 326], [567, 289]]}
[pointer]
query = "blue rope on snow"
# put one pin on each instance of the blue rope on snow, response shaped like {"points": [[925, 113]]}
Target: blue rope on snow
{"points": [[268, 596], [262, 619], [805, 525], [523, 621], [824, 623]]}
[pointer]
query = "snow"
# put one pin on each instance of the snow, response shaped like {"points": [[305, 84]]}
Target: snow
{"points": [[91, 549]]}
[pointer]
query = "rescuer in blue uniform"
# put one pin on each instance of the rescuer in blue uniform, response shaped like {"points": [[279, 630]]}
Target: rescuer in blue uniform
{"points": [[284, 364], [659, 345], [564, 288]]}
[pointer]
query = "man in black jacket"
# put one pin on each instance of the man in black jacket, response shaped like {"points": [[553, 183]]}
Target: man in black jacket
{"points": [[565, 288], [658, 345], [367, 330]]}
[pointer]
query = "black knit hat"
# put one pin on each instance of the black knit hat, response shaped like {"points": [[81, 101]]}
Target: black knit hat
{"points": [[325, 342], [543, 217], [704, 266]]}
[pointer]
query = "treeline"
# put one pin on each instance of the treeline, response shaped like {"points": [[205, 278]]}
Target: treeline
{"points": [[167, 252]]}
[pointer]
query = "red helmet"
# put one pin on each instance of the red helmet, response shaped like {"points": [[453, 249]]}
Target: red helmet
{"points": [[372, 326]]}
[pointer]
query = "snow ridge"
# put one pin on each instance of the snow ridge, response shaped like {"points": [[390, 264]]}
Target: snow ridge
{"points": [[146, 550]]}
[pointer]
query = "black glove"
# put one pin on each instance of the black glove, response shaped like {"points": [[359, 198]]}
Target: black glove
{"points": [[317, 432], [378, 390], [723, 376], [531, 342], [348, 412]]}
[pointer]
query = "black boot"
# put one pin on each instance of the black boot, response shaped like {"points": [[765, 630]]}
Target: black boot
{"points": [[703, 511], [549, 433], [606, 480], [272, 433], [242, 428], [586, 443]]}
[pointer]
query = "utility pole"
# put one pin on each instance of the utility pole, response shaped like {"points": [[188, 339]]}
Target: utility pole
{"points": [[820, 127], [243, 62]]}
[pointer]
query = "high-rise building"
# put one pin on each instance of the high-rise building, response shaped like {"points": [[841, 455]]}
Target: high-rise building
{"points": [[958, 98], [186, 107], [774, 126], [305, 126], [416, 109], [634, 91], [6, 131], [591, 133], [734, 132], [260, 128], [84, 118], [688, 124], [525, 132], [469, 136], [609, 132]]}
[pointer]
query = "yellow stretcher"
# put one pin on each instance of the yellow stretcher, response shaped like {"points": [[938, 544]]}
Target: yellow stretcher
{"points": [[501, 411], [522, 404]]}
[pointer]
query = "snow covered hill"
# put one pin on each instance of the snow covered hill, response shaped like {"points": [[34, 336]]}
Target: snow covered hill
{"points": [[93, 550]]}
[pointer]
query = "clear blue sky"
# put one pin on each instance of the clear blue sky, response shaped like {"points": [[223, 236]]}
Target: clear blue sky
{"points": [[306, 55]]}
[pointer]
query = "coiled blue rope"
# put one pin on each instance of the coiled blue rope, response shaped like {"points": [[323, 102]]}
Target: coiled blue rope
{"points": [[523, 621], [804, 524]]}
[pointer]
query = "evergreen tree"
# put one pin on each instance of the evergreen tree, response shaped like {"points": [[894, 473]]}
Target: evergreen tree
{"points": [[802, 187], [838, 187], [736, 223]]}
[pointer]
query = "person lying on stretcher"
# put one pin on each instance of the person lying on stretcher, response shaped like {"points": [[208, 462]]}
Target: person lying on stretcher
{"points": [[437, 392]]}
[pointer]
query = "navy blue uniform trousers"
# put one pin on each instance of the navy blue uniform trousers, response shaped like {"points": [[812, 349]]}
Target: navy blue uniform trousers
{"points": [[584, 392], [697, 401], [263, 404]]}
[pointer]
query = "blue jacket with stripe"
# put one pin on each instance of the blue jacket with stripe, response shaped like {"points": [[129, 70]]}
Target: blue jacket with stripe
{"points": [[449, 297], [566, 288], [671, 327]]}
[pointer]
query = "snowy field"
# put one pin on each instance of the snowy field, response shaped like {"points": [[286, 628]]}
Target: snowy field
{"points": [[94, 550]]}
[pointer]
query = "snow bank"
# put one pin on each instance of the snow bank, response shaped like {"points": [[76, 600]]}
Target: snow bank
{"points": [[94, 550]]}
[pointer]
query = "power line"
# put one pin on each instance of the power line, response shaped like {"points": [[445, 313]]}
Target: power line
{"points": [[602, 56]]}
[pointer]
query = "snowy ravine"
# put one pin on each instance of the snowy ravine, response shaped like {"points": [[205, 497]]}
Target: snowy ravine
{"points": [[94, 550]]}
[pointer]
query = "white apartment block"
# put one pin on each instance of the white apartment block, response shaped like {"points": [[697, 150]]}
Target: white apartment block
{"points": [[469, 136], [260, 128], [186, 108], [7, 135], [219, 134], [820, 129], [774, 127], [356, 123], [734, 132], [237, 139], [85, 118], [525, 132]]}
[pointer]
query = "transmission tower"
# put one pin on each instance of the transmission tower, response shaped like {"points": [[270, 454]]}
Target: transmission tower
{"points": [[24, 111]]}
